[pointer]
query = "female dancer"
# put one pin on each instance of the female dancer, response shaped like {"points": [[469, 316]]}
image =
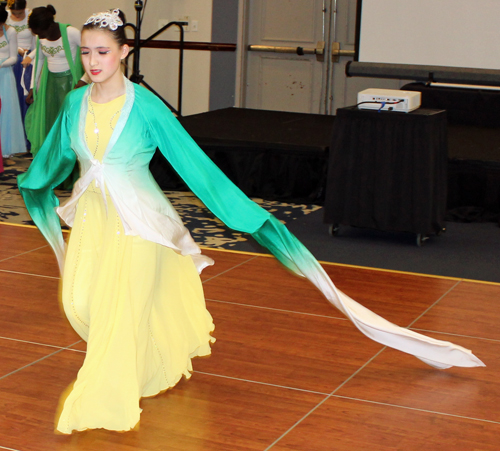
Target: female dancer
{"points": [[18, 20], [57, 71], [130, 283], [11, 125]]}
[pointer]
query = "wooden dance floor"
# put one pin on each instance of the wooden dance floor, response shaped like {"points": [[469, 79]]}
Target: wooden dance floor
{"points": [[288, 372]]}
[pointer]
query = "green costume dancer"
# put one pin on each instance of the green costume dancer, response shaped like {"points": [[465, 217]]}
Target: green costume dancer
{"points": [[52, 87]]}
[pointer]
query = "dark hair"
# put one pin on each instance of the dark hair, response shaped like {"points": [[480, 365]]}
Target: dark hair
{"points": [[118, 34], [17, 5], [42, 18], [3, 13]]}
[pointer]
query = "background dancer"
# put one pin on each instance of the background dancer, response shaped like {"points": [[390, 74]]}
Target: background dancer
{"points": [[57, 70], [26, 41], [11, 126]]}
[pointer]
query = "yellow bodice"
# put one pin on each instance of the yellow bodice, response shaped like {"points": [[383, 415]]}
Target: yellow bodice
{"points": [[100, 123]]}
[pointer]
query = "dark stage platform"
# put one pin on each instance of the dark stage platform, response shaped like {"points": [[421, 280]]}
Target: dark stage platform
{"points": [[473, 117], [269, 154], [284, 156]]}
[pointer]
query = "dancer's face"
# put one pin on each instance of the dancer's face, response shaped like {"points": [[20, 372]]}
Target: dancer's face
{"points": [[101, 56], [19, 14]]}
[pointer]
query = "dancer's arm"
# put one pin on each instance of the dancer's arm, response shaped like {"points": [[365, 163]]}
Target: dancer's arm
{"points": [[12, 38], [51, 166]]}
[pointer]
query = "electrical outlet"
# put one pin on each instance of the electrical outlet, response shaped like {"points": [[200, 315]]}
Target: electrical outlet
{"points": [[194, 25], [184, 19]]}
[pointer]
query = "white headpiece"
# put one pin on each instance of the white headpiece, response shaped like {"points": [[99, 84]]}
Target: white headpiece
{"points": [[105, 19]]}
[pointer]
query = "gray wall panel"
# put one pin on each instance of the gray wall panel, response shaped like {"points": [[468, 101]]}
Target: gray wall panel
{"points": [[223, 64]]}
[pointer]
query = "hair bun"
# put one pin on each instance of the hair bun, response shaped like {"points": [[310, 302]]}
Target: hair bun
{"points": [[51, 9]]}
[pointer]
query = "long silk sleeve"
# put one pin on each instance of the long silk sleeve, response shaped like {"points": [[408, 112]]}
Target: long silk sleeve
{"points": [[228, 203], [51, 166]]}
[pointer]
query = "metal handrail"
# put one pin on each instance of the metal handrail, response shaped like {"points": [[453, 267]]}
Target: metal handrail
{"points": [[137, 78]]}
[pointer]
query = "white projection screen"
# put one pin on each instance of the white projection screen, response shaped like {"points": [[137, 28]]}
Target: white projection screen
{"points": [[450, 33]]}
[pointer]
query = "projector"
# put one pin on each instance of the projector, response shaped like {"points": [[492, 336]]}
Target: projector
{"points": [[389, 100]]}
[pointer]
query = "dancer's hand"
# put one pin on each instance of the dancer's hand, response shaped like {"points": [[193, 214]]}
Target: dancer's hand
{"points": [[29, 98], [26, 61]]}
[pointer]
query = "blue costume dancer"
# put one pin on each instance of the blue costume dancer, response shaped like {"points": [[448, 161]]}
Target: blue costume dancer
{"points": [[18, 20], [11, 125]]}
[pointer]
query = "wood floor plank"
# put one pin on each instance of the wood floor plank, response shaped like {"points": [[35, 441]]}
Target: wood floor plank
{"points": [[400, 298], [15, 240], [40, 262], [224, 261], [80, 346], [301, 351], [347, 425], [16, 354], [469, 309], [205, 413], [403, 380], [29, 310]]}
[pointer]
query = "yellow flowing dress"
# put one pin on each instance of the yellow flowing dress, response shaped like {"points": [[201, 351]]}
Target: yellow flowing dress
{"points": [[139, 305]]}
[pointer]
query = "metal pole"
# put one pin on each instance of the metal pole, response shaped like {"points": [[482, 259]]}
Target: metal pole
{"points": [[181, 70], [136, 76]]}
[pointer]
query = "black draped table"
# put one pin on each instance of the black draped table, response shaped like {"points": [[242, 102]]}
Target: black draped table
{"points": [[387, 170], [274, 155]]}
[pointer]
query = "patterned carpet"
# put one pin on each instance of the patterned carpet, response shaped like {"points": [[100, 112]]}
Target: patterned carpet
{"points": [[205, 228]]}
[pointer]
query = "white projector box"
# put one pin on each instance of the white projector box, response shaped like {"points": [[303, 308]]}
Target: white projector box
{"points": [[389, 100]]}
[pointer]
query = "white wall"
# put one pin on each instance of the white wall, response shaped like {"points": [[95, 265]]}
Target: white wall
{"points": [[159, 67]]}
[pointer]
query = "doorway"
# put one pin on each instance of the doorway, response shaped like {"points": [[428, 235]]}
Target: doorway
{"points": [[286, 59]]}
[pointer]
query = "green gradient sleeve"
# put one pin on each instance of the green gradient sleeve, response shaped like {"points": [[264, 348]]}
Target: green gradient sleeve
{"points": [[51, 166]]}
